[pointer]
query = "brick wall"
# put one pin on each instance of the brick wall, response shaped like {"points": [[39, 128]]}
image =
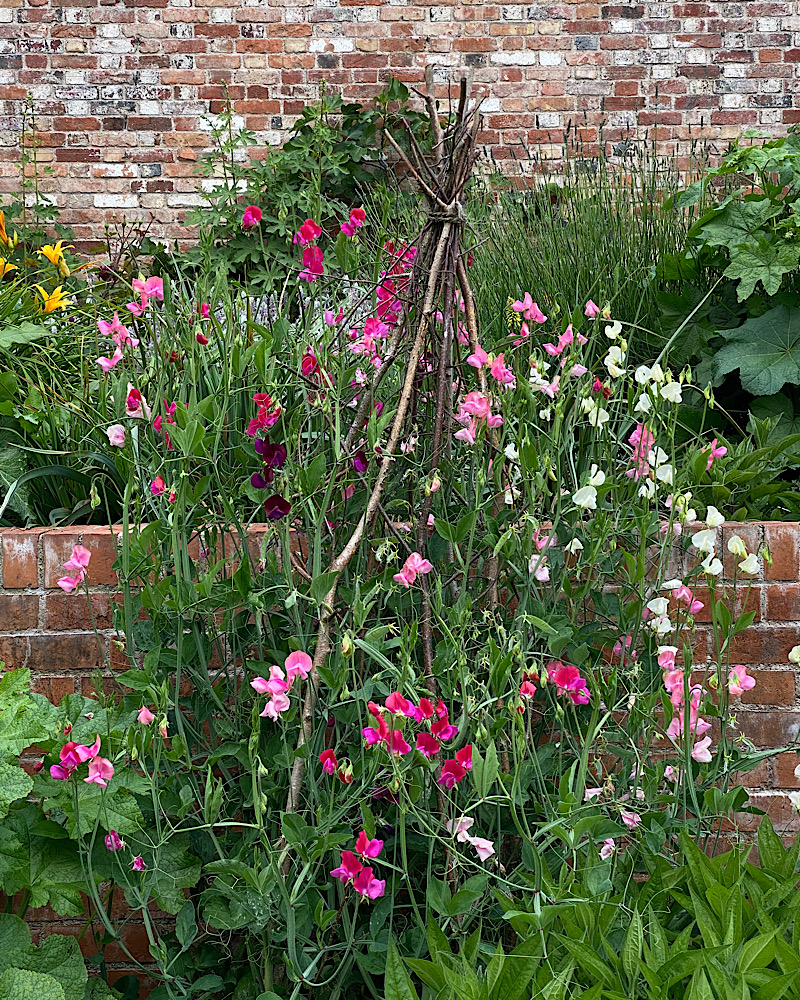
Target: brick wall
{"points": [[51, 633], [122, 88]]}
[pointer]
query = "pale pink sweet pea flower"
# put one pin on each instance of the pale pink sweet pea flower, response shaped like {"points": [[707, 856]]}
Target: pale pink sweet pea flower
{"points": [[277, 704], [116, 435], [101, 771], [108, 363], [608, 849], [413, 565], [666, 657], [484, 848], [592, 793], [577, 370], [740, 681], [592, 310], [630, 819], [460, 828], [701, 752], [145, 716]]}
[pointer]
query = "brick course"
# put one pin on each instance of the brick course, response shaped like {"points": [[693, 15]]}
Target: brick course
{"points": [[123, 91], [53, 634]]}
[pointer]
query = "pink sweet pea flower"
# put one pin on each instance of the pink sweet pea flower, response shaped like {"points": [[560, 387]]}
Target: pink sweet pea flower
{"points": [[630, 819], [467, 435], [479, 358], [297, 664], [251, 217], [70, 583], [145, 716], [592, 310], [452, 773], [526, 689], [701, 752], [397, 704], [205, 310], [460, 828], [464, 757], [108, 363], [307, 233], [485, 848], [135, 406], [715, 452], [277, 704], [501, 373], [413, 565], [529, 309], [138, 864], [427, 745], [368, 848], [740, 681], [349, 868], [330, 764], [101, 771], [367, 885], [568, 681], [113, 841], [666, 657], [577, 370], [157, 487], [79, 560]]}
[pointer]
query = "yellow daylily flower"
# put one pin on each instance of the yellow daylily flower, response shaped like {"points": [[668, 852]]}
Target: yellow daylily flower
{"points": [[51, 301], [6, 267], [55, 254], [5, 239]]}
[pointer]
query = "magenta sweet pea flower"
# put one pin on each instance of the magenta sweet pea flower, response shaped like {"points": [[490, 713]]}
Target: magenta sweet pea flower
{"points": [[464, 757], [158, 486], [313, 265], [368, 848], [715, 452], [396, 743], [367, 885], [138, 864], [568, 681], [113, 841], [349, 868], [427, 745]]}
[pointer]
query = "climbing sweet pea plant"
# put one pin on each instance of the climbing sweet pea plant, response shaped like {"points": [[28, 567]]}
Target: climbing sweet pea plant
{"points": [[454, 656]]}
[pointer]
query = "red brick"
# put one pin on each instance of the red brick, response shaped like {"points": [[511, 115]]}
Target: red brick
{"points": [[20, 557], [48, 652], [783, 541], [18, 612]]}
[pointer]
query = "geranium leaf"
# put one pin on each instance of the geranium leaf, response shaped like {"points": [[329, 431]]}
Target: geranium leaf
{"points": [[765, 262]]}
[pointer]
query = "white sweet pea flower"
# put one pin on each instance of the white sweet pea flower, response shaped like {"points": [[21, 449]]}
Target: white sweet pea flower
{"points": [[658, 605], [586, 497], [614, 330], [598, 417], [671, 392], [614, 361], [657, 373], [545, 414], [511, 453], [794, 798], [574, 547], [643, 404], [671, 584], [737, 547], [711, 565], [797, 772], [713, 517], [661, 625], [596, 477], [647, 490], [794, 654], [665, 473], [750, 564], [642, 374], [704, 541]]}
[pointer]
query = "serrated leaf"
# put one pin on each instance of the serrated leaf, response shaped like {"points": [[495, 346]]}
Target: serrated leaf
{"points": [[738, 222], [20, 984], [14, 784], [765, 262], [765, 349]]}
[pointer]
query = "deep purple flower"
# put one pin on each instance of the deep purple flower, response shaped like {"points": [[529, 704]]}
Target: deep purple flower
{"points": [[274, 455], [258, 482], [275, 507], [360, 462]]}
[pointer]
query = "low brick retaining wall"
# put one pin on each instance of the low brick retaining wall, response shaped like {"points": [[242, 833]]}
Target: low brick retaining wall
{"points": [[51, 633]]}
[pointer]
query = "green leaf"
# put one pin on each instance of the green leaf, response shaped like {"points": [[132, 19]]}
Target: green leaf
{"points": [[58, 956], [186, 925], [397, 982], [321, 585], [632, 947], [438, 896], [590, 961], [766, 263], [758, 952], [518, 969], [18, 336], [765, 349], [738, 223], [15, 937], [20, 984], [14, 784]]}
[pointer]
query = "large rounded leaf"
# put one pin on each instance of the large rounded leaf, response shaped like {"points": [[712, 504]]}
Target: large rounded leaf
{"points": [[765, 349]]}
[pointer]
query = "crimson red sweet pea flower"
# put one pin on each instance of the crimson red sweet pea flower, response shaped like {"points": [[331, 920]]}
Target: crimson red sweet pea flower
{"points": [[452, 773], [396, 743], [329, 762], [464, 757], [313, 266], [307, 233], [427, 745], [349, 868], [251, 217], [367, 885], [368, 848]]}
